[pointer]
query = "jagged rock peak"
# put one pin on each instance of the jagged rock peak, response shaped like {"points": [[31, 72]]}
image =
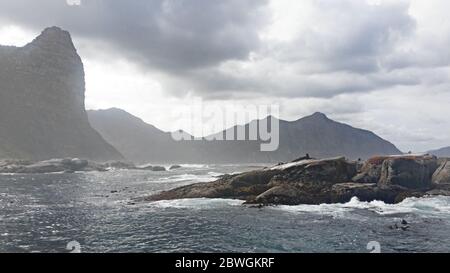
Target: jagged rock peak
{"points": [[54, 37]]}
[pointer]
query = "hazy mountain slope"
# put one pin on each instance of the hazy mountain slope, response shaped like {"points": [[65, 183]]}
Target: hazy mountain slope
{"points": [[137, 140], [443, 152], [42, 112], [316, 135], [323, 137]]}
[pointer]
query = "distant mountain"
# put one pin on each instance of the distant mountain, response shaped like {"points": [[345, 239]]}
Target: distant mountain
{"points": [[42, 112], [443, 152], [316, 134], [137, 140]]}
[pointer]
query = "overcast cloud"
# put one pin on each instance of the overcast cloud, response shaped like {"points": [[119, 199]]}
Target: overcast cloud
{"points": [[383, 65]]}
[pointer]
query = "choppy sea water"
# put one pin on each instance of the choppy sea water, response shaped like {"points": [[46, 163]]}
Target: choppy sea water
{"points": [[43, 213]]}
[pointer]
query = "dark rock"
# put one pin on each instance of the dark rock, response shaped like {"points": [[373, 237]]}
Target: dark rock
{"points": [[342, 193], [319, 181], [370, 172], [66, 165], [173, 167], [284, 194], [325, 171], [402, 195], [412, 172], [291, 183], [152, 168], [439, 192], [158, 169], [120, 165]]}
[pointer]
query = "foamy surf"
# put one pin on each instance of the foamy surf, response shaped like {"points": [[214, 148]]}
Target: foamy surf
{"points": [[431, 206], [189, 177], [195, 166], [198, 203]]}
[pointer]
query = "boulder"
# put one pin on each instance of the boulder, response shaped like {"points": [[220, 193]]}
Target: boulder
{"points": [[441, 192], [56, 165], [411, 172], [119, 165], [158, 169], [152, 168], [326, 171], [285, 194], [173, 167], [77, 164], [370, 172], [442, 174]]}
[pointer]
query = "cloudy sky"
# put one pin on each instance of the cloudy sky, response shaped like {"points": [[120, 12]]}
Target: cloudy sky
{"points": [[383, 65]]}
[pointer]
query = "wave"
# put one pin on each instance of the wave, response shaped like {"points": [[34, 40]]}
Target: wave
{"points": [[431, 206], [195, 166], [198, 203], [190, 177]]}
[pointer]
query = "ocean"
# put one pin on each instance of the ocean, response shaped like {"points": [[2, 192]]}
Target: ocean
{"points": [[97, 212]]}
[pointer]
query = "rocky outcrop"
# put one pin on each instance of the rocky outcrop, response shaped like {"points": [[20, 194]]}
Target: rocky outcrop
{"points": [[42, 111], [412, 172], [67, 165], [152, 168], [442, 175], [291, 183], [370, 172], [49, 166], [335, 180]]}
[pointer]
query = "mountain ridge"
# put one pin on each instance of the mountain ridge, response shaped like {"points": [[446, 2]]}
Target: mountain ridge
{"points": [[442, 152], [296, 139]]}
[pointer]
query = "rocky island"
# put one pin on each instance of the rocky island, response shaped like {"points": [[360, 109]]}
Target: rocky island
{"points": [[70, 165], [336, 180]]}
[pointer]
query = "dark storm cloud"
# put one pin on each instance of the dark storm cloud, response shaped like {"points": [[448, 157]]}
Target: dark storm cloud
{"points": [[163, 34], [214, 48]]}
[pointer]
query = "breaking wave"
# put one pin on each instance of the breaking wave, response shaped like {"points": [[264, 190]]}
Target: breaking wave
{"points": [[431, 206], [199, 203]]}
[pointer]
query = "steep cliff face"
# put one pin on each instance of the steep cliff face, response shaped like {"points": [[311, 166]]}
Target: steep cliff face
{"points": [[42, 113]]}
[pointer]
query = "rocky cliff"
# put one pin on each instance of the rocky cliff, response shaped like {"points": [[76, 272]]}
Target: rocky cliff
{"points": [[42, 113]]}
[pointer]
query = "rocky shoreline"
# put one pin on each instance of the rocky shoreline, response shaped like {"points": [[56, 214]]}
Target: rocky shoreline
{"points": [[70, 165], [336, 180]]}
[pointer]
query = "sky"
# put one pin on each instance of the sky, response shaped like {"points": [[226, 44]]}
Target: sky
{"points": [[381, 65]]}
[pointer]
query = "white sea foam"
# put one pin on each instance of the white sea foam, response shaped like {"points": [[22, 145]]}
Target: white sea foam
{"points": [[195, 166], [199, 203], [189, 177], [432, 206]]}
